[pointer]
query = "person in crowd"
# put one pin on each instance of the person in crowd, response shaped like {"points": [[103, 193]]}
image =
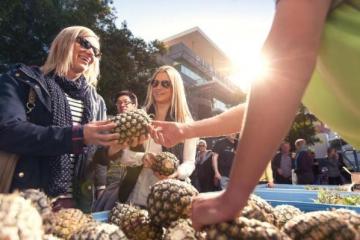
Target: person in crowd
{"points": [[224, 152], [120, 162], [203, 175], [165, 101], [54, 136], [333, 166], [267, 177], [282, 164], [301, 46], [303, 163]]}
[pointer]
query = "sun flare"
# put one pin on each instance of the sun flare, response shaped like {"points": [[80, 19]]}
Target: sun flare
{"points": [[247, 68]]}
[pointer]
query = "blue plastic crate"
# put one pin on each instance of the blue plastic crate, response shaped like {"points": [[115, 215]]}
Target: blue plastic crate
{"points": [[298, 187], [289, 195], [101, 216], [310, 207], [301, 198]]}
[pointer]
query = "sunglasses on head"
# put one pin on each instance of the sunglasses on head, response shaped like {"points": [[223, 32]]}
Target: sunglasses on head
{"points": [[165, 83], [87, 45]]}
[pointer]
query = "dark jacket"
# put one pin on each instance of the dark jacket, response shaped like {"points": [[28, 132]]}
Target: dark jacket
{"points": [[33, 137], [304, 167]]}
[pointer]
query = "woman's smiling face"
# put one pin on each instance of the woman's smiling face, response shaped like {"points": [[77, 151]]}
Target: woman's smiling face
{"points": [[161, 88], [82, 57]]}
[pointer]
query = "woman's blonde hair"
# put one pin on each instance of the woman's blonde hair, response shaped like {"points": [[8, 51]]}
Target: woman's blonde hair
{"points": [[179, 109], [60, 55]]}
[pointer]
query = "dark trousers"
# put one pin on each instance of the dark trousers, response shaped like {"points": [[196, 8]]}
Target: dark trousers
{"points": [[335, 181], [282, 180]]}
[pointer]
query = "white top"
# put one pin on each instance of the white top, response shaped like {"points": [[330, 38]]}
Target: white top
{"points": [[147, 177], [77, 110]]}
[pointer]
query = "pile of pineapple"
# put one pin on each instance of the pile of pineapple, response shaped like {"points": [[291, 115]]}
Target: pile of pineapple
{"points": [[334, 197], [28, 215], [167, 215]]}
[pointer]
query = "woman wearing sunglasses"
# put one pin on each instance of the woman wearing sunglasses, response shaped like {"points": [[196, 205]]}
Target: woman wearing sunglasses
{"points": [[53, 134], [165, 101]]}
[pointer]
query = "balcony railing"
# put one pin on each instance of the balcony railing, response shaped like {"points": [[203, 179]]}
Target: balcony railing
{"points": [[181, 51]]}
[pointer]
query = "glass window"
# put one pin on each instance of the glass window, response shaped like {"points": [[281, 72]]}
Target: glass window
{"points": [[191, 74]]}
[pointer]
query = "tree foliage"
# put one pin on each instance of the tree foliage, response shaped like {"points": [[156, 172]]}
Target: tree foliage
{"points": [[27, 28], [303, 127]]}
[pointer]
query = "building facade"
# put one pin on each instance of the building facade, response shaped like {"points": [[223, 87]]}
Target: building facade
{"points": [[205, 70]]}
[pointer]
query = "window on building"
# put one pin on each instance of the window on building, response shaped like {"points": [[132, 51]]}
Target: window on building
{"points": [[191, 74]]}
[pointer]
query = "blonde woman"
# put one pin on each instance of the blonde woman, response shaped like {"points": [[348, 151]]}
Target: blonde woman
{"points": [[50, 136], [166, 101]]}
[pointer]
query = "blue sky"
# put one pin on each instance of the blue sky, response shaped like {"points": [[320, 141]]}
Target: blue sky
{"points": [[238, 27]]}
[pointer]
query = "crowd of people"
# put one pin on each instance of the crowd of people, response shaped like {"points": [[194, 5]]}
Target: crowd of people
{"points": [[64, 142], [63, 138]]}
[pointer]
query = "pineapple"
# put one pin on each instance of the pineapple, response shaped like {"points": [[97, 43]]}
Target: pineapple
{"points": [[165, 163], [67, 221], [131, 124], [169, 200], [19, 219], [320, 225], [134, 222], [39, 200], [182, 230], [284, 213], [258, 208], [50, 237], [243, 228], [351, 216], [98, 231]]}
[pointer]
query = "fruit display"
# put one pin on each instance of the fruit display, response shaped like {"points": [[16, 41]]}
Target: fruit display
{"points": [[131, 124], [182, 229], [320, 225], [244, 228], [169, 200], [98, 231], [39, 200], [350, 216], [165, 163], [333, 197], [134, 222], [284, 213], [318, 188], [166, 217], [258, 208], [67, 221], [50, 237], [18, 218]]}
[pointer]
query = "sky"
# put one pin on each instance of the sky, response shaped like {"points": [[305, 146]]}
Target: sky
{"points": [[238, 27]]}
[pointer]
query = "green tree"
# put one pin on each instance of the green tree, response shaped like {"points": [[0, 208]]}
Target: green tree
{"points": [[127, 63], [303, 127], [27, 28]]}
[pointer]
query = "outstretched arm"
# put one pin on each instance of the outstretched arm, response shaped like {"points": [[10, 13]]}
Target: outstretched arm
{"points": [[291, 47], [170, 133]]}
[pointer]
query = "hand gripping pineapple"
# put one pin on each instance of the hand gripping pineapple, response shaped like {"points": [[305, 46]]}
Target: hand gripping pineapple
{"points": [[163, 164], [132, 127]]}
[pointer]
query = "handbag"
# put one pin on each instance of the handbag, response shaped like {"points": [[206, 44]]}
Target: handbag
{"points": [[8, 160]]}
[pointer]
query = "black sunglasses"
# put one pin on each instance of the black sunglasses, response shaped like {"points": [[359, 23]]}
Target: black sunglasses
{"points": [[87, 45], [165, 83]]}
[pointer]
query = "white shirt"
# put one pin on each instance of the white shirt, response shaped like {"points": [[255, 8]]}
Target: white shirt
{"points": [[147, 177]]}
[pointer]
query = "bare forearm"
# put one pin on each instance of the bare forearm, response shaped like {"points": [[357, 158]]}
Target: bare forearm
{"points": [[215, 126], [215, 163], [274, 99]]}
